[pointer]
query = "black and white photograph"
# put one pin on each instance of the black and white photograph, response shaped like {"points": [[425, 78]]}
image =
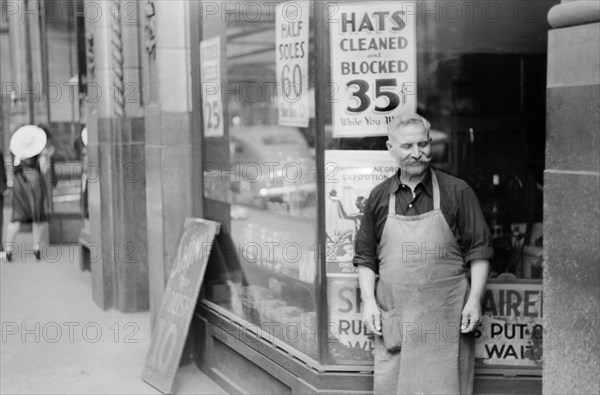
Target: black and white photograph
{"points": [[299, 197]]}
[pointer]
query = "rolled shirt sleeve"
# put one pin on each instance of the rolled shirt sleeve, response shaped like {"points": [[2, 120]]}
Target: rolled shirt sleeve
{"points": [[476, 238], [365, 245]]}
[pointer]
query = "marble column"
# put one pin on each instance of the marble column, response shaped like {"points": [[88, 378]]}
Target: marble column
{"points": [[116, 129], [169, 136], [572, 201], [26, 80], [5, 73]]}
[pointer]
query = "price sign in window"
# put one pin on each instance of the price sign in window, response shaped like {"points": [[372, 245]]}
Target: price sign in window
{"points": [[292, 62], [212, 106], [373, 67]]}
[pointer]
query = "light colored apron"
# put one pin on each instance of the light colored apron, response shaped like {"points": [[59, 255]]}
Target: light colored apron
{"points": [[421, 291]]}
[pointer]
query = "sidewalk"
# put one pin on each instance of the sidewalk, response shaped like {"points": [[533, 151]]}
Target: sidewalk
{"points": [[55, 340]]}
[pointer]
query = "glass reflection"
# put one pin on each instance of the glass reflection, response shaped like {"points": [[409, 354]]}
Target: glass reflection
{"points": [[268, 268]]}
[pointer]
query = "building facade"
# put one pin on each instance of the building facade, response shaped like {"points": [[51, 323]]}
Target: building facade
{"points": [[268, 117]]}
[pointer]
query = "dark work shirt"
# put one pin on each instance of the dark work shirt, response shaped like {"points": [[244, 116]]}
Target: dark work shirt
{"points": [[2, 175], [459, 205]]}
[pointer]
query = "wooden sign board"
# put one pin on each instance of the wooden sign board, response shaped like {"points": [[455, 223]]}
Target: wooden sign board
{"points": [[178, 303]]}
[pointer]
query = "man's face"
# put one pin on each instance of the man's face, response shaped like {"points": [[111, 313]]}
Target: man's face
{"points": [[410, 146]]}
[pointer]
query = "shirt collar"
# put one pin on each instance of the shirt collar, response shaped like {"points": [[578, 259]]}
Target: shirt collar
{"points": [[426, 183]]}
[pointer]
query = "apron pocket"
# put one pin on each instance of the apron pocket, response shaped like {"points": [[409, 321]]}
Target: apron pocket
{"points": [[391, 330]]}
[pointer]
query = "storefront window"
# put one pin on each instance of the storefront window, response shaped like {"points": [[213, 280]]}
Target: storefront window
{"points": [[478, 74], [480, 80], [261, 176]]}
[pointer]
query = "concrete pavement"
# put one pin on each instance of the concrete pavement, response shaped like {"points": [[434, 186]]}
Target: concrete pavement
{"points": [[55, 340]]}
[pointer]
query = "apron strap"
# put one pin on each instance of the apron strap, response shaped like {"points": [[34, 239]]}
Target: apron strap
{"points": [[392, 208], [436, 191], [436, 195]]}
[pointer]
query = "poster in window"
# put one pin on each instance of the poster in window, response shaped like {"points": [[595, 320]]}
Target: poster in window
{"points": [[348, 339], [511, 329], [349, 178], [373, 66], [292, 19], [212, 105]]}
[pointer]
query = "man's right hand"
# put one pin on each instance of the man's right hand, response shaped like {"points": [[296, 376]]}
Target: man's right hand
{"points": [[372, 317]]}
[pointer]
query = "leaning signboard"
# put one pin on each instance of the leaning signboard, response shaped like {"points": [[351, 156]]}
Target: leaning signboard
{"points": [[178, 303], [510, 334]]}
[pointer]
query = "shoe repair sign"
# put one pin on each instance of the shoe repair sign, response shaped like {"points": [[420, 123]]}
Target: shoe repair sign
{"points": [[373, 66], [511, 330], [291, 41]]}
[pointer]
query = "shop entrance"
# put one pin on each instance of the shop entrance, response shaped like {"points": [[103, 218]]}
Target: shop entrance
{"points": [[479, 77]]}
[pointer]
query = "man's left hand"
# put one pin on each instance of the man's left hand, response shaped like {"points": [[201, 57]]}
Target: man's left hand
{"points": [[471, 315]]}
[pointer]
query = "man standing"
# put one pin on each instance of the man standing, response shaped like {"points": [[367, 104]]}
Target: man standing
{"points": [[420, 230]]}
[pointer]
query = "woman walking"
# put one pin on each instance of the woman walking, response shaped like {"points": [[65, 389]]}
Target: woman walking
{"points": [[31, 195]]}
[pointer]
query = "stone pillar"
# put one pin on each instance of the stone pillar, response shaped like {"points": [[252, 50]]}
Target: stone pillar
{"points": [[5, 75], [117, 195], [28, 102], [572, 201], [168, 129]]}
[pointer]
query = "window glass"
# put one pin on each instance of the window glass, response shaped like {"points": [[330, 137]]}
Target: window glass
{"points": [[260, 179], [481, 71]]}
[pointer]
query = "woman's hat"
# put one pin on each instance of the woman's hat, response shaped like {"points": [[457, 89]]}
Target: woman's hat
{"points": [[84, 137], [27, 141]]}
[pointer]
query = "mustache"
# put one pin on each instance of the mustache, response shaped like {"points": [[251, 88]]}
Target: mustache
{"points": [[422, 159], [417, 166]]}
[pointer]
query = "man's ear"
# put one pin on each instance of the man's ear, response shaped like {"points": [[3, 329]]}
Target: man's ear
{"points": [[388, 144]]}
